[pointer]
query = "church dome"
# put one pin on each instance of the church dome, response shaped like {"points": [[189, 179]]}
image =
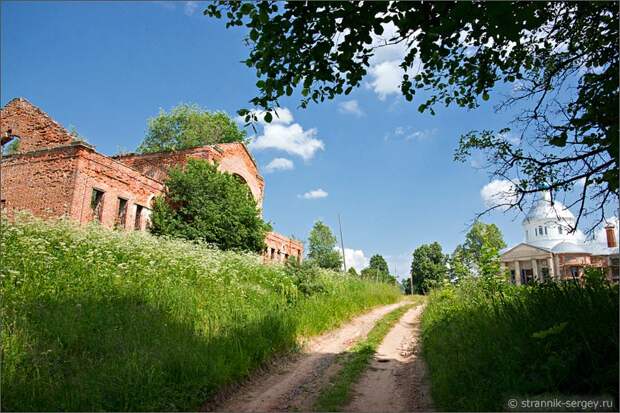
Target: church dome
{"points": [[543, 209], [547, 223]]}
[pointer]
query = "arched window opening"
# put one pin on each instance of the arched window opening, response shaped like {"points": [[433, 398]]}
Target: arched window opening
{"points": [[11, 145], [240, 179]]}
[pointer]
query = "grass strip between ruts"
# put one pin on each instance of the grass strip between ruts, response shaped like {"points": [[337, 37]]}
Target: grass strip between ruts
{"points": [[336, 394]]}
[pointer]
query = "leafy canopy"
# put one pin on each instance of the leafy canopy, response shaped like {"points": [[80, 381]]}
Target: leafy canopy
{"points": [[479, 253], [321, 247], [378, 263], [378, 270], [482, 235], [428, 268], [201, 203], [557, 60], [188, 126]]}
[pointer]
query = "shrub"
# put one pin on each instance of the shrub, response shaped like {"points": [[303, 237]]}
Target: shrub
{"points": [[100, 320], [201, 203], [486, 340]]}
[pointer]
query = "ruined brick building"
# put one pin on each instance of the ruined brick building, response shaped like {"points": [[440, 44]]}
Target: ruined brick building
{"points": [[53, 175]]}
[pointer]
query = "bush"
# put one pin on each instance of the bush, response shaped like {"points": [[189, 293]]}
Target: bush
{"points": [[100, 320], [201, 203], [486, 340]]}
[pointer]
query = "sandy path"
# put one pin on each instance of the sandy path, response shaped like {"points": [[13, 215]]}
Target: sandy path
{"points": [[396, 379], [294, 385]]}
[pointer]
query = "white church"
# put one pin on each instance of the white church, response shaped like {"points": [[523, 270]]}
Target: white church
{"points": [[550, 252]]}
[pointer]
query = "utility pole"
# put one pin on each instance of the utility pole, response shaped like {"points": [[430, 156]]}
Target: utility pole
{"points": [[344, 260], [411, 279]]}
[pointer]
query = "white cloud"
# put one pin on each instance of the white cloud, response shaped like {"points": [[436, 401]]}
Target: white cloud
{"points": [[279, 164], [354, 258], [282, 134], [385, 72], [386, 78], [408, 133], [190, 7], [292, 139], [498, 192], [350, 106], [314, 194], [420, 135]]}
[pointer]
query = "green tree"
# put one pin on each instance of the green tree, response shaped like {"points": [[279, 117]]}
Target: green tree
{"points": [[405, 285], [428, 268], [188, 126], [481, 235], [378, 263], [489, 263], [321, 247], [558, 60], [352, 272], [460, 264], [201, 203]]}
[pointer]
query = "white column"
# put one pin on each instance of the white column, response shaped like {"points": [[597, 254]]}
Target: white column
{"points": [[550, 265], [517, 273], [535, 270]]}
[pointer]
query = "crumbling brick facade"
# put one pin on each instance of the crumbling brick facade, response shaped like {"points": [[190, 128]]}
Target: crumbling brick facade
{"points": [[52, 176], [233, 158]]}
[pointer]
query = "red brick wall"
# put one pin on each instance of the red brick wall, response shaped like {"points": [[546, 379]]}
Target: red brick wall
{"points": [[231, 157], [34, 127], [279, 247], [116, 180], [59, 182], [39, 181]]}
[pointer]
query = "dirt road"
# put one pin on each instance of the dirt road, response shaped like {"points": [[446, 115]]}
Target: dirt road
{"points": [[396, 379], [296, 383]]}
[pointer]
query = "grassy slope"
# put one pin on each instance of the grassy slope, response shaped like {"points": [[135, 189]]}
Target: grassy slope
{"points": [[487, 342], [334, 397], [97, 320]]}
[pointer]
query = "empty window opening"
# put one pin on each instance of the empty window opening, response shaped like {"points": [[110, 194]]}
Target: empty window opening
{"points": [[121, 215], [137, 225], [545, 230], [536, 231], [560, 230], [12, 147], [273, 253], [96, 204], [540, 232]]}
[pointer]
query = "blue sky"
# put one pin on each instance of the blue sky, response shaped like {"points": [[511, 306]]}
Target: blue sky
{"points": [[106, 67]]}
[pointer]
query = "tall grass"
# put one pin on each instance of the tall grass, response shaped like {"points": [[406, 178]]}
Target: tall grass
{"points": [[99, 320], [486, 341]]}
